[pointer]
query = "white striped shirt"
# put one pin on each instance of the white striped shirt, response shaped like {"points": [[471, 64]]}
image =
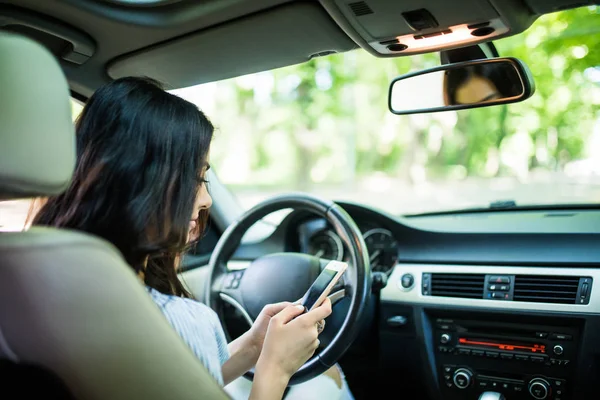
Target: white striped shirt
{"points": [[200, 328]]}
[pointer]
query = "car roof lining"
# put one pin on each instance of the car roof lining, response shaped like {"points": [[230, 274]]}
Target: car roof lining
{"points": [[195, 41]]}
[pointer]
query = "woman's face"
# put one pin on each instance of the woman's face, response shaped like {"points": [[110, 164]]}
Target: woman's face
{"points": [[203, 202]]}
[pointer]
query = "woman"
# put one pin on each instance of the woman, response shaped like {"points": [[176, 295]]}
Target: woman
{"points": [[142, 158]]}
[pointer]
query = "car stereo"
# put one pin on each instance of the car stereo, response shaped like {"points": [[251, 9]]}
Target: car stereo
{"points": [[518, 360]]}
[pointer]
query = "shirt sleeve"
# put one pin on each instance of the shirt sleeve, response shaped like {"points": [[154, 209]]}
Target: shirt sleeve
{"points": [[209, 315], [221, 340]]}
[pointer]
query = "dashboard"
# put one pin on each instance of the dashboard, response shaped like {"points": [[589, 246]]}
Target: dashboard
{"points": [[507, 301], [317, 237]]}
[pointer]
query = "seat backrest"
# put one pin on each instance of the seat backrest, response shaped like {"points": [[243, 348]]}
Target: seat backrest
{"points": [[69, 304]]}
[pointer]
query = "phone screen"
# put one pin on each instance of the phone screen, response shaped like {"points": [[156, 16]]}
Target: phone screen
{"points": [[319, 285]]}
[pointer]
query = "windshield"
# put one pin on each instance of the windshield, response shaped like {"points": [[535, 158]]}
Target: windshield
{"points": [[323, 127]]}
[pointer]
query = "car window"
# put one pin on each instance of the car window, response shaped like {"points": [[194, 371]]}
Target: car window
{"points": [[323, 127], [13, 213]]}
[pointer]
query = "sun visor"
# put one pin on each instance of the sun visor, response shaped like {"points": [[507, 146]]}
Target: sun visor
{"points": [[278, 37]]}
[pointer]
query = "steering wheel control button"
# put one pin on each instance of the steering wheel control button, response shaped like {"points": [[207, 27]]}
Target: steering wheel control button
{"points": [[539, 388], [407, 281], [232, 280], [462, 378], [445, 338]]}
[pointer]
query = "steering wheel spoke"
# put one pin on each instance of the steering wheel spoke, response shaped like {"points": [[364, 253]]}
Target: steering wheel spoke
{"points": [[337, 295], [229, 292]]}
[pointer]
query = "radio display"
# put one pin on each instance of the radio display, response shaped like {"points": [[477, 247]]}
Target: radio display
{"points": [[498, 345]]}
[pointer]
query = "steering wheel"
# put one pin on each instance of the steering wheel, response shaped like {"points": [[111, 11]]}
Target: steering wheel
{"points": [[287, 276]]}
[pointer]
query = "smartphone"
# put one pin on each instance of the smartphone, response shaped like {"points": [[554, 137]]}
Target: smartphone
{"points": [[321, 287]]}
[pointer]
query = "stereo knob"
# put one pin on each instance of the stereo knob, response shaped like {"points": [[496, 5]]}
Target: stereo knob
{"points": [[445, 338], [462, 378], [558, 350], [539, 388]]}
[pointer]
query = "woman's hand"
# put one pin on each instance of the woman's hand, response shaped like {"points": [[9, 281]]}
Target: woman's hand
{"points": [[256, 334], [290, 341], [245, 350]]}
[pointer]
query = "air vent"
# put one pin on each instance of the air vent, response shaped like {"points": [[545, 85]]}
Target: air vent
{"points": [[546, 289], [468, 286], [360, 8]]}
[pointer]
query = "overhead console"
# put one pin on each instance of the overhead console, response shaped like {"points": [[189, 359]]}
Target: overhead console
{"points": [[388, 28]]}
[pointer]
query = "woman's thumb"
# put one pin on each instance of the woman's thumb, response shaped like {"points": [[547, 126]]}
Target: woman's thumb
{"points": [[288, 313]]}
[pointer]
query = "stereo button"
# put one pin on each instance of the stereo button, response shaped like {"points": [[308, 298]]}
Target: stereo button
{"points": [[477, 353], [539, 388], [462, 378], [521, 357], [560, 336], [492, 354], [506, 356], [539, 359], [518, 388], [558, 350]]}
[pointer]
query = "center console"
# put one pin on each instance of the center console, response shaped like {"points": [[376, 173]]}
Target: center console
{"points": [[518, 360]]}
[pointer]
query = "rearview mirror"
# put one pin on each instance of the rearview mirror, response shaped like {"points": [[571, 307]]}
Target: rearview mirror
{"points": [[469, 84]]}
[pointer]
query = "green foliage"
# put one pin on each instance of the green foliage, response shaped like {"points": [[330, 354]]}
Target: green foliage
{"points": [[326, 121]]}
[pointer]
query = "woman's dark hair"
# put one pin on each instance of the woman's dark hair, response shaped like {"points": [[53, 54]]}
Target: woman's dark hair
{"points": [[503, 76], [140, 156]]}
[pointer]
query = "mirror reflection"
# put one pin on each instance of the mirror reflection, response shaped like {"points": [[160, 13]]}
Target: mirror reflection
{"points": [[475, 84]]}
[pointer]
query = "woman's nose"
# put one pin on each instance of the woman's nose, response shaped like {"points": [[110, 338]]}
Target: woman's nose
{"points": [[205, 200]]}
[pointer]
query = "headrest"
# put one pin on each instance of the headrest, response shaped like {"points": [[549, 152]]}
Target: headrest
{"points": [[37, 138]]}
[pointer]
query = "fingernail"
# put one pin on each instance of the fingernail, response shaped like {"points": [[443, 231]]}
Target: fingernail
{"points": [[300, 307]]}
